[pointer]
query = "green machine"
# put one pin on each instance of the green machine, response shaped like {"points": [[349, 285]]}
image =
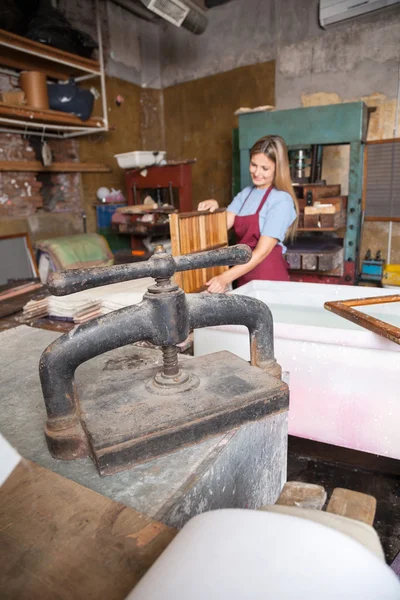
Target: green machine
{"points": [[332, 125]]}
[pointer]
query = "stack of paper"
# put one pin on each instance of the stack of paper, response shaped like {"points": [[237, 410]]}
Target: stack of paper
{"points": [[77, 310], [35, 309], [119, 295], [83, 306]]}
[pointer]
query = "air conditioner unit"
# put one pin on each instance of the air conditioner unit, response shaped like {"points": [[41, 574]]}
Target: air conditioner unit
{"points": [[335, 11]]}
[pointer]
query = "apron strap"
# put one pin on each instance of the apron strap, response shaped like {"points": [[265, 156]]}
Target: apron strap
{"points": [[264, 199], [247, 197]]}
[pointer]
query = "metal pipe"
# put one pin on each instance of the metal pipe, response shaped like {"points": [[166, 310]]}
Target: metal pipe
{"points": [[101, 61], [210, 310], [86, 132], [389, 250], [60, 360], [395, 133], [38, 133], [9, 72], [85, 77], [137, 10], [27, 124]]}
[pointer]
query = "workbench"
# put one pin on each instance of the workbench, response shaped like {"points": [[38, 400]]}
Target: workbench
{"points": [[170, 489]]}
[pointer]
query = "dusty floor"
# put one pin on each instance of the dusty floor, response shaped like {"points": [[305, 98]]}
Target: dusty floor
{"points": [[384, 487]]}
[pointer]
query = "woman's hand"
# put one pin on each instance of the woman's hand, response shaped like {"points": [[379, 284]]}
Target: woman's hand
{"points": [[210, 205], [218, 284]]}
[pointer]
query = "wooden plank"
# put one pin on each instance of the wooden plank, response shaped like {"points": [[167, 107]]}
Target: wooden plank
{"points": [[302, 495], [321, 191], [353, 505], [195, 232], [17, 52], [35, 166], [56, 117], [61, 540]]}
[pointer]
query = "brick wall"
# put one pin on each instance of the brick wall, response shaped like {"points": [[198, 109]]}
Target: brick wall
{"points": [[23, 193]]}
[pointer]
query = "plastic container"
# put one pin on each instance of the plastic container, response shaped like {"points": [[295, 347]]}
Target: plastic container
{"points": [[104, 214], [391, 276], [131, 160], [344, 380]]}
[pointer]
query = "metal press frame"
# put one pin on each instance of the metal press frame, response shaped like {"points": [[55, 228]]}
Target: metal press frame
{"points": [[331, 125]]}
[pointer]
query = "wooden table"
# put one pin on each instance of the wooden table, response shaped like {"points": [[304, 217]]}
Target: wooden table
{"points": [[62, 541]]}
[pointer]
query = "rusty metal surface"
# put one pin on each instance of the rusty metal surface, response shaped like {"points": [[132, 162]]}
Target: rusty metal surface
{"points": [[163, 318], [129, 424], [346, 310]]}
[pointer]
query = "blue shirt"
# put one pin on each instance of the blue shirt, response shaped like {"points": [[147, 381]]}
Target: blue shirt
{"points": [[276, 216]]}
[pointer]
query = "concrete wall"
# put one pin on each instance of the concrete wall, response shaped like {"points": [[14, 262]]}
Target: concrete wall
{"points": [[131, 45], [358, 59], [351, 59]]}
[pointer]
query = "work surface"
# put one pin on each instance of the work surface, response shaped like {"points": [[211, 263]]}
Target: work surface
{"points": [[246, 467], [61, 541]]}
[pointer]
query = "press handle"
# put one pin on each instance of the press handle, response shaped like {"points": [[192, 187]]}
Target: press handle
{"points": [[160, 265], [222, 257]]}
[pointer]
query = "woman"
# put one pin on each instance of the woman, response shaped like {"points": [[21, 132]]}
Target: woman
{"points": [[262, 216]]}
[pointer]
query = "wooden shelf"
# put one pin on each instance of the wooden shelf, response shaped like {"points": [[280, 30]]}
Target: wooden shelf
{"points": [[24, 54], [55, 117], [35, 166]]}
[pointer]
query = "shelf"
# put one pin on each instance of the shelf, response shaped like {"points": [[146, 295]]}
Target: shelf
{"points": [[21, 53], [33, 115], [35, 166], [24, 54]]}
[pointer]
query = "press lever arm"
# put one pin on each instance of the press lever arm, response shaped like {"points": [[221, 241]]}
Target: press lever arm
{"points": [[160, 266]]}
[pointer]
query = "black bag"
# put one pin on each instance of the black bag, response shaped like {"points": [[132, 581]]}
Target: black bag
{"points": [[50, 27], [69, 98], [11, 17]]}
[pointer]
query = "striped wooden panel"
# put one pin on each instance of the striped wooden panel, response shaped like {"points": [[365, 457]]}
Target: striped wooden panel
{"points": [[382, 194], [197, 232]]}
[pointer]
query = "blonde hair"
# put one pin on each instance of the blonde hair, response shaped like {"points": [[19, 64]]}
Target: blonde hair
{"points": [[274, 148]]}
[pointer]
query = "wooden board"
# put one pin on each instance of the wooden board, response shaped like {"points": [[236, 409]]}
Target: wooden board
{"points": [[61, 541], [353, 505], [302, 495], [206, 106], [35, 166], [196, 232]]}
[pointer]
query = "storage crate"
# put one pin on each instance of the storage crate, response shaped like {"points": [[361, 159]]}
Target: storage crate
{"points": [[104, 213]]}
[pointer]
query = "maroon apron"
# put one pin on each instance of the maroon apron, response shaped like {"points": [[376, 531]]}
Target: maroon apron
{"points": [[247, 230]]}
